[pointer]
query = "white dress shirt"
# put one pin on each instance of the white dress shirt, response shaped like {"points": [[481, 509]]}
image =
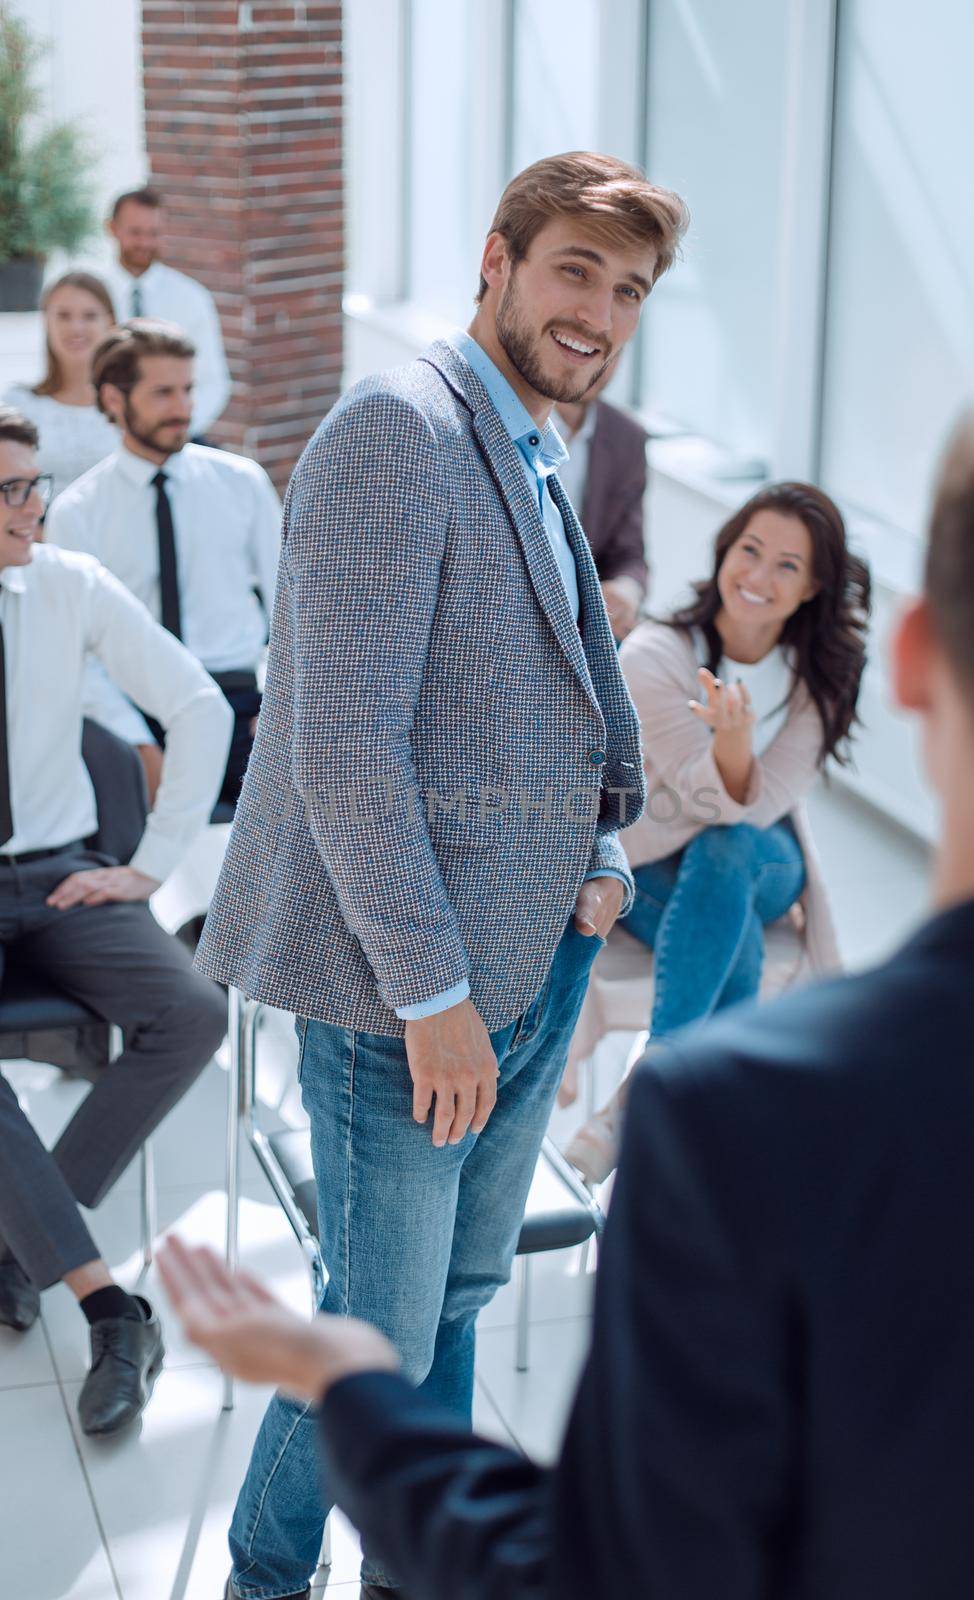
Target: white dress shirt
{"points": [[73, 438], [174, 297], [227, 520], [769, 682], [54, 612]]}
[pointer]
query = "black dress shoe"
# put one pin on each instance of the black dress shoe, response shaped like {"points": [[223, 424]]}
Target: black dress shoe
{"points": [[20, 1303], [125, 1360]]}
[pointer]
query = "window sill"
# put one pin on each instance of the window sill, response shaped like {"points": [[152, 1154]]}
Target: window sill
{"points": [[895, 556]]}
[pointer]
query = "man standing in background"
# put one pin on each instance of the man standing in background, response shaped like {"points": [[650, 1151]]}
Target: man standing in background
{"points": [[143, 286], [193, 532], [605, 480]]}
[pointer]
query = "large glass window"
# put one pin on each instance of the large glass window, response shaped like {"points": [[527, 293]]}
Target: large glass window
{"points": [[556, 78], [716, 116], [900, 323], [442, 239]]}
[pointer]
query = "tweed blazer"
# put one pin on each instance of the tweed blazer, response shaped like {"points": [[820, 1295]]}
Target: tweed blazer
{"points": [[442, 752]]}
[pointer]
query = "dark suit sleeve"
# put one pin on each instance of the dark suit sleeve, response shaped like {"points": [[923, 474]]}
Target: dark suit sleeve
{"points": [[454, 1516], [674, 1478], [618, 531]]}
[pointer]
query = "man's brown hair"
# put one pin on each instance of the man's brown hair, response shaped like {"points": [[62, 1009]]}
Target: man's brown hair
{"points": [[949, 577], [613, 200], [118, 358], [16, 428], [140, 197]]}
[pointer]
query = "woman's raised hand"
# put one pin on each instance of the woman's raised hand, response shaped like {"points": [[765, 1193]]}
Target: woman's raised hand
{"points": [[727, 707]]}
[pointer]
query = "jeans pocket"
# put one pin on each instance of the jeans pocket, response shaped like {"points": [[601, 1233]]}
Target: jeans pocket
{"points": [[530, 1020]]}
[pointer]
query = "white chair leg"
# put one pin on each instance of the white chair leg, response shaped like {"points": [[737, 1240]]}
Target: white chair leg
{"points": [[326, 1544], [147, 1182], [523, 1283], [148, 1205]]}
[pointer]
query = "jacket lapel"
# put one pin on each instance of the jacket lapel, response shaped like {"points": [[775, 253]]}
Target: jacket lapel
{"points": [[504, 462]]}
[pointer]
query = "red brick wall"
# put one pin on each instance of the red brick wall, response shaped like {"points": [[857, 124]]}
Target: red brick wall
{"points": [[243, 114]]}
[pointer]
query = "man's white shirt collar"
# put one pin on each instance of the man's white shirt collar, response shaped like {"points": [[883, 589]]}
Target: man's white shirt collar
{"points": [[150, 276], [141, 472]]}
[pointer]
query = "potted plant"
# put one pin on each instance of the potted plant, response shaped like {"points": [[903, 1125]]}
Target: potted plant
{"points": [[46, 200]]}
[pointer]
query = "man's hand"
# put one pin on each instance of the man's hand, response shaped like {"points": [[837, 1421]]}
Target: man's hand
{"points": [[452, 1059], [599, 903], [622, 597], [235, 1320], [100, 886]]}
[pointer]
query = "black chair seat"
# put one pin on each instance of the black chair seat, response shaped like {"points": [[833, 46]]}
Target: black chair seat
{"points": [[29, 1004], [292, 1148], [554, 1219]]}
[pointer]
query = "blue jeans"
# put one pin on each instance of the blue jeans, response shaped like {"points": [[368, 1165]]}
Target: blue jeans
{"points": [[703, 910], [415, 1240]]}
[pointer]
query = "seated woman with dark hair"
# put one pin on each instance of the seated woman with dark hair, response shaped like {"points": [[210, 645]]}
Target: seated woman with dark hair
{"points": [[742, 697]]}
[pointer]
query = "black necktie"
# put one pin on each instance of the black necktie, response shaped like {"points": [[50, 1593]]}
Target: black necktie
{"points": [[6, 815], [136, 301], [168, 575]]}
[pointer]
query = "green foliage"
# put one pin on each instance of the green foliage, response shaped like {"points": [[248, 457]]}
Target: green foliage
{"points": [[46, 198]]}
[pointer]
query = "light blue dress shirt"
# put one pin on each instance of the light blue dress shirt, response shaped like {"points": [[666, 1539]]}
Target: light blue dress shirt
{"points": [[542, 451]]}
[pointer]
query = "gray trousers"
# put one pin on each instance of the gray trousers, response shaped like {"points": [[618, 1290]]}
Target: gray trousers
{"points": [[120, 963]]}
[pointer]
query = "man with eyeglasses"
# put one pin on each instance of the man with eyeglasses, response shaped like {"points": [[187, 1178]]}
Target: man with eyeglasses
{"points": [[79, 920]]}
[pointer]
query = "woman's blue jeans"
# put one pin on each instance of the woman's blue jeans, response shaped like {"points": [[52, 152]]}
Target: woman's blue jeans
{"points": [[416, 1240], [703, 910]]}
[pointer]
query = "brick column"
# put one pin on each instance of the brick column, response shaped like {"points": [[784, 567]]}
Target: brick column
{"points": [[243, 116]]}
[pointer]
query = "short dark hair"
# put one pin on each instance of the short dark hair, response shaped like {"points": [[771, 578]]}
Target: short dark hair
{"points": [[16, 427], [140, 197], [949, 574], [117, 359]]}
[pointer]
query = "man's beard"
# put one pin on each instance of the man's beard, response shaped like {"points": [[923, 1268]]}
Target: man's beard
{"points": [[147, 436], [522, 349], [137, 262]]}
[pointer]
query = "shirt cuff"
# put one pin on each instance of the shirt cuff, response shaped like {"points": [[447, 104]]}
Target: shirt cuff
{"points": [[155, 857], [437, 1003]]}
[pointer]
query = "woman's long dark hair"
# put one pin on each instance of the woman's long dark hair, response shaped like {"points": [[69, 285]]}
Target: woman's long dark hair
{"points": [[826, 636]]}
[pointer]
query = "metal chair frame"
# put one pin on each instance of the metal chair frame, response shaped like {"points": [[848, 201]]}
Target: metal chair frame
{"points": [[244, 1016], [522, 1263], [243, 1019], [147, 1184]]}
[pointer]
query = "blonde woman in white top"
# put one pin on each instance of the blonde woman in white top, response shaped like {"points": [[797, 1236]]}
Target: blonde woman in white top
{"points": [[74, 434]]}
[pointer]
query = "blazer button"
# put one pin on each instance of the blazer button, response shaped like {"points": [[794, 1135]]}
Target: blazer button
{"points": [[596, 757]]}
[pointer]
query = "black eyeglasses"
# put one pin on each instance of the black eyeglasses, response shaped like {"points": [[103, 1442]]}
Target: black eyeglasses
{"points": [[17, 491]]}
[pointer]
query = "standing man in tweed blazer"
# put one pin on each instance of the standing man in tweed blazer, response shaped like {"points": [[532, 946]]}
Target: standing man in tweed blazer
{"points": [[424, 860]]}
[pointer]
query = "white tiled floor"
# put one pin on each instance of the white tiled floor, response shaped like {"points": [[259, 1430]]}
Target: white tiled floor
{"points": [[144, 1517]]}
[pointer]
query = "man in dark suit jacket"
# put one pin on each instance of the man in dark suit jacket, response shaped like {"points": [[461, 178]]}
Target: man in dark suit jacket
{"points": [[605, 479], [779, 1398]]}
